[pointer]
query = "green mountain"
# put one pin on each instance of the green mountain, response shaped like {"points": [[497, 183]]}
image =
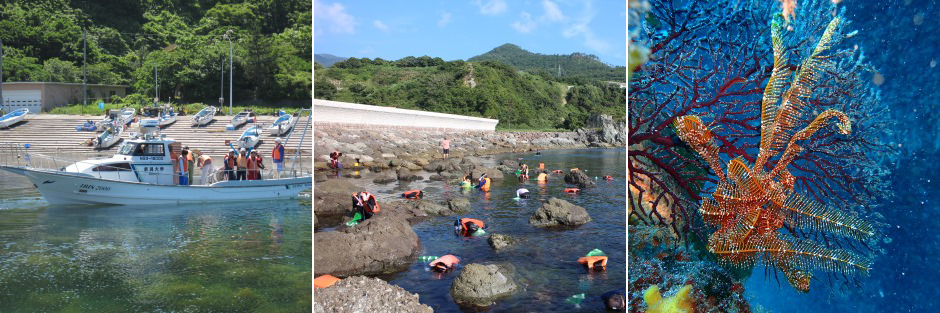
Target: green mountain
{"points": [[520, 100], [326, 59], [572, 66]]}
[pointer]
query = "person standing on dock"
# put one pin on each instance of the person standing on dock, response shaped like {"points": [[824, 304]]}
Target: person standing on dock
{"points": [[242, 165], [277, 156], [445, 144]]}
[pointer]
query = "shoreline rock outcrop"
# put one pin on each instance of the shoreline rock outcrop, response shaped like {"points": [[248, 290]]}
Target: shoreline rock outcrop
{"points": [[365, 294], [382, 244]]}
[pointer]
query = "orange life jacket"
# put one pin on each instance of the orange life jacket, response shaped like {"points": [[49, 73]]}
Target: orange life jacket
{"points": [[184, 166], [243, 161], [413, 194], [572, 190], [592, 261], [230, 160], [365, 202], [448, 260], [324, 281], [277, 153], [464, 221], [486, 184], [542, 177]]}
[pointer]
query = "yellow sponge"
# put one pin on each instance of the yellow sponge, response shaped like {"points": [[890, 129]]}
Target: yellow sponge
{"points": [[679, 303]]}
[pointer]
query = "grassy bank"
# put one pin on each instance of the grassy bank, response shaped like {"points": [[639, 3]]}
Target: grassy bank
{"points": [[191, 108]]}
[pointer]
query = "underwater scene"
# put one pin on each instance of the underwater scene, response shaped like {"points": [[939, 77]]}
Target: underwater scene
{"points": [[781, 156]]}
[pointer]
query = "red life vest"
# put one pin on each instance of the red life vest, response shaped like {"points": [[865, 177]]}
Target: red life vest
{"points": [[413, 194], [363, 200]]}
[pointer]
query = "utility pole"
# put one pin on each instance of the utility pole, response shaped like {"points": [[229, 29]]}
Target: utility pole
{"points": [[84, 73], [2, 103], [222, 83], [230, 71], [156, 86]]}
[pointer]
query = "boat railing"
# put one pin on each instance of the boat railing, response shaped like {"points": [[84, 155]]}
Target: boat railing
{"points": [[16, 154]]}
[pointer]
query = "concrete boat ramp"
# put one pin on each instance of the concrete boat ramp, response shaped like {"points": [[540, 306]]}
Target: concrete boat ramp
{"points": [[47, 133]]}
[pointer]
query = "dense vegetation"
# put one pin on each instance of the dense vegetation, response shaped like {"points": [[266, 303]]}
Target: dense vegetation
{"points": [[575, 67], [183, 39], [520, 100]]}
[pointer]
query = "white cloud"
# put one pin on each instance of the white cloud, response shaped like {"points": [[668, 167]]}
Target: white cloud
{"points": [[445, 19], [580, 28], [381, 26], [492, 7], [335, 17], [552, 13], [526, 25]]}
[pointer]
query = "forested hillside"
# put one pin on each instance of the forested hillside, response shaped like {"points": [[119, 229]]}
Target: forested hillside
{"points": [[489, 89], [326, 59], [575, 67], [182, 39]]}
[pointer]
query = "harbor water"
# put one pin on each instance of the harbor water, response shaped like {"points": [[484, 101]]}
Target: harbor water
{"points": [[234, 257]]}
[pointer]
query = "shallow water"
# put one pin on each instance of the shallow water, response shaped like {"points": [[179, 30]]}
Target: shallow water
{"points": [[545, 258], [225, 258]]}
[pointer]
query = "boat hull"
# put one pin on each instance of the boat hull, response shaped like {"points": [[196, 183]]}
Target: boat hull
{"points": [[65, 188], [285, 128], [11, 121]]}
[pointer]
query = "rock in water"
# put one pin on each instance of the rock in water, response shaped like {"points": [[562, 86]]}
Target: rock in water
{"points": [[365, 294], [480, 285], [577, 177], [559, 212], [459, 205], [499, 241], [381, 244], [493, 173], [386, 179], [404, 174]]}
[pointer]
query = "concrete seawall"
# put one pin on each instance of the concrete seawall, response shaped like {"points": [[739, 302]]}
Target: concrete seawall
{"points": [[353, 115]]}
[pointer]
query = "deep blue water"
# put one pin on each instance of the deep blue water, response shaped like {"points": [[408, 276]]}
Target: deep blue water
{"points": [[545, 258]]}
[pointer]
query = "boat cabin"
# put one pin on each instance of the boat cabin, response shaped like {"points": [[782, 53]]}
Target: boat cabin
{"points": [[147, 158]]}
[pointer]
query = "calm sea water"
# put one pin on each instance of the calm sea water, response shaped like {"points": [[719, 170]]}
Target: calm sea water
{"points": [[545, 258], [218, 258]]}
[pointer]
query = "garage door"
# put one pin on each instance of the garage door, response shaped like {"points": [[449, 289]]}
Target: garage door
{"points": [[20, 99]]}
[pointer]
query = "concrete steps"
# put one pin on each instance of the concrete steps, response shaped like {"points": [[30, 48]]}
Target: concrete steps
{"points": [[56, 133]]}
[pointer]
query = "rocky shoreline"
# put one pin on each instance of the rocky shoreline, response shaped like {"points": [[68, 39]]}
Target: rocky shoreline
{"points": [[415, 148]]}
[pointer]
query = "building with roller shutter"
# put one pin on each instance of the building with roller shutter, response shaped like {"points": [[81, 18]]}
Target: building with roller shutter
{"points": [[43, 96]]}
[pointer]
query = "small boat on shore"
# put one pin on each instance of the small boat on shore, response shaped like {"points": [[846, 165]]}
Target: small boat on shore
{"points": [[168, 117], [240, 119], [250, 137], [109, 137], [204, 116], [283, 124], [12, 118], [141, 172], [123, 117]]}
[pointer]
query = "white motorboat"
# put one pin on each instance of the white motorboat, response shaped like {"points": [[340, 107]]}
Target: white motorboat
{"points": [[250, 137], [240, 119], [109, 137], [123, 117], [141, 173], [168, 117], [12, 118], [204, 116], [283, 124]]}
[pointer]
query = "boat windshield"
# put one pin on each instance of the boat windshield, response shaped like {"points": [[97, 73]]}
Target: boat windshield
{"points": [[126, 148]]}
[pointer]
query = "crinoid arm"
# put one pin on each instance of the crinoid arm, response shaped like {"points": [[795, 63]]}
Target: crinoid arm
{"points": [[788, 114], [806, 214], [775, 84], [691, 130], [844, 125]]}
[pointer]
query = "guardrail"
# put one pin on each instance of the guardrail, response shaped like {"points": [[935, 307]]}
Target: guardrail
{"points": [[355, 114]]}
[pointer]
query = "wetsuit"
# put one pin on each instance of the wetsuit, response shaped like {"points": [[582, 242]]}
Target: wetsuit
{"points": [[364, 204], [615, 300]]}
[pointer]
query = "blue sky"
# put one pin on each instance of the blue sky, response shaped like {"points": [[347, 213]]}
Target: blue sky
{"points": [[460, 29]]}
